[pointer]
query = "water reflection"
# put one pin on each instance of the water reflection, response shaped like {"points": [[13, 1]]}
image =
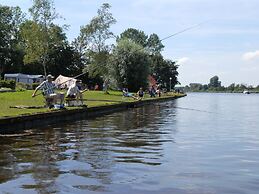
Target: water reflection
{"points": [[85, 155], [209, 144]]}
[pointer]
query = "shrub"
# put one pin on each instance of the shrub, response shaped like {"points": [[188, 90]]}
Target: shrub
{"points": [[7, 84], [35, 85], [22, 86]]}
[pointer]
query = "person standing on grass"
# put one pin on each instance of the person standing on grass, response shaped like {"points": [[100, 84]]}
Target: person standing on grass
{"points": [[49, 94]]}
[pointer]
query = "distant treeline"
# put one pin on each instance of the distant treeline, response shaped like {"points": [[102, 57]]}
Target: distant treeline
{"points": [[215, 86], [35, 44]]}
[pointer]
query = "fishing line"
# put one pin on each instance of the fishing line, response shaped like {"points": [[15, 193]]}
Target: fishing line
{"points": [[192, 109], [177, 33], [184, 30]]}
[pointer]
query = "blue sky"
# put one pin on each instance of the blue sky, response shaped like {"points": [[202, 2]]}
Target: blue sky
{"points": [[226, 45]]}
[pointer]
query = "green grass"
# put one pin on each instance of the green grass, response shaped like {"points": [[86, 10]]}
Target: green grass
{"points": [[8, 99]]}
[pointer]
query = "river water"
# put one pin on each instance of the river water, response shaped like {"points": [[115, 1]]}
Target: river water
{"points": [[203, 143]]}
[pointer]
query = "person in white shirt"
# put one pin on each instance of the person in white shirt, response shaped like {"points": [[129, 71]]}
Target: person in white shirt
{"points": [[74, 91]]}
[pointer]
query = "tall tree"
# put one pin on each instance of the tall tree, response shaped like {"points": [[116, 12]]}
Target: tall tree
{"points": [[92, 41], [154, 44], [10, 48], [164, 71], [137, 36], [214, 82], [61, 56], [43, 14], [33, 37], [129, 65]]}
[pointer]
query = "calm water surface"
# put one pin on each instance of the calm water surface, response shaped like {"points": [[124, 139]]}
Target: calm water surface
{"points": [[204, 143]]}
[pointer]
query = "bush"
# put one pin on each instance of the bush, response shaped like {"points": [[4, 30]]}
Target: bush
{"points": [[22, 86], [7, 84], [35, 85]]}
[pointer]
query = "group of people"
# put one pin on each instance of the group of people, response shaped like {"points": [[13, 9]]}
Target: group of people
{"points": [[138, 96], [154, 91], [74, 92]]}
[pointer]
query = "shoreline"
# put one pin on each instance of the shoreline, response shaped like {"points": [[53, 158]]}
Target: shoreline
{"points": [[27, 121]]}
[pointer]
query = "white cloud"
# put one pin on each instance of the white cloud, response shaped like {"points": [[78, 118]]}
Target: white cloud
{"points": [[182, 61], [250, 55]]}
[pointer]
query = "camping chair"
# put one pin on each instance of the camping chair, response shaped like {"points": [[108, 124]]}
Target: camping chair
{"points": [[49, 102]]}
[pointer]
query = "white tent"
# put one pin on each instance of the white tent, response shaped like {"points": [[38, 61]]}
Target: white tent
{"points": [[64, 82]]}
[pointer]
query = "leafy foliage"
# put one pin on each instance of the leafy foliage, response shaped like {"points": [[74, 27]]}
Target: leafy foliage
{"points": [[43, 14], [94, 35], [215, 86], [7, 84], [40, 46], [137, 36], [165, 71], [154, 44], [129, 65], [33, 38], [214, 82], [91, 42], [10, 49]]}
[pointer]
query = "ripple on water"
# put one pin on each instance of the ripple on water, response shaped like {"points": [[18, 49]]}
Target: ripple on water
{"points": [[158, 149]]}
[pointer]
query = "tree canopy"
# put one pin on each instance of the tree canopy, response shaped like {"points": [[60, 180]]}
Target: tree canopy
{"points": [[10, 42], [37, 45], [129, 65]]}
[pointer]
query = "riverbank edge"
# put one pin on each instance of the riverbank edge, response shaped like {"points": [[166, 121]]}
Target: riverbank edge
{"points": [[23, 122]]}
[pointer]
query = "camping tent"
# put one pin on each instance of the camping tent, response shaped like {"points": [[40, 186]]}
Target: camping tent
{"points": [[64, 82]]}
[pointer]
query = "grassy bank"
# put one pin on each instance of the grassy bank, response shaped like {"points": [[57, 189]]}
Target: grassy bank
{"points": [[96, 98]]}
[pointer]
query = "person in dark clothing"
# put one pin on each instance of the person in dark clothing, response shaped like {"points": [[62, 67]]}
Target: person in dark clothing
{"points": [[140, 94], [152, 92]]}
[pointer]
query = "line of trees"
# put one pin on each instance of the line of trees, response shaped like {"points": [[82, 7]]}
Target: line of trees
{"points": [[40, 46], [214, 85]]}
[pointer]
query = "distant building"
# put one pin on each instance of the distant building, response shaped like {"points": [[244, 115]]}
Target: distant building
{"points": [[24, 78]]}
